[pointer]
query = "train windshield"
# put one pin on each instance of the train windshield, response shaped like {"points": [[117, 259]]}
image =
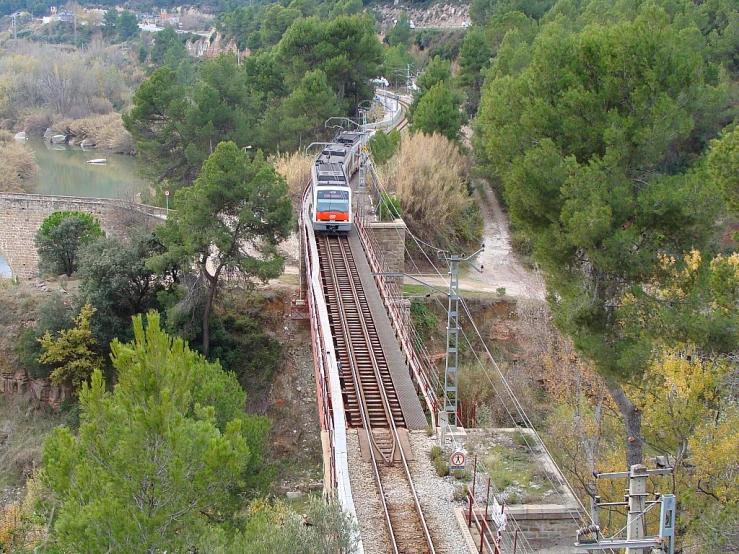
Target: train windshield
{"points": [[332, 201]]}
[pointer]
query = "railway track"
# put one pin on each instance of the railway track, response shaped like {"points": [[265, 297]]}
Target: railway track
{"points": [[403, 123], [367, 389], [355, 339]]}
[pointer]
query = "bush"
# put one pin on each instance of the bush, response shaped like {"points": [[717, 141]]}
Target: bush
{"points": [[430, 176], [59, 238], [18, 163], [435, 453], [441, 466], [462, 474], [460, 493], [383, 146], [389, 208]]}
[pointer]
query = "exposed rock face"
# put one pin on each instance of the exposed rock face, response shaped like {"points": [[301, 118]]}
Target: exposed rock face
{"points": [[436, 16], [18, 382]]}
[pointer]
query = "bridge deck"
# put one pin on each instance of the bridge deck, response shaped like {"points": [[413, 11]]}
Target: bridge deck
{"points": [[415, 417]]}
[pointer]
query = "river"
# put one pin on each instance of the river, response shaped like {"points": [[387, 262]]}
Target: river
{"points": [[64, 171]]}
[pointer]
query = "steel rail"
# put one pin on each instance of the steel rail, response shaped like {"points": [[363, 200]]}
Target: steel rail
{"points": [[350, 346], [341, 250], [363, 413]]}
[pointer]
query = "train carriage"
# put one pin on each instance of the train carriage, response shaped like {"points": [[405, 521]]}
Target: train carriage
{"points": [[332, 210]]}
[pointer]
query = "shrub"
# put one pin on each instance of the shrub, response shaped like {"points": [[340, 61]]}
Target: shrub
{"points": [[389, 208], [441, 466], [462, 474], [18, 163], [460, 493], [435, 453], [430, 176], [59, 238]]}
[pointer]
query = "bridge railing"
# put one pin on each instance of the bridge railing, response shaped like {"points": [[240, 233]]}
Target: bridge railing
{"points": [[423, 371], [328, 387]]}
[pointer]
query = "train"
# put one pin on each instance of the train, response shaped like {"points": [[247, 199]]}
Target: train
{"points": [[331, 176]]}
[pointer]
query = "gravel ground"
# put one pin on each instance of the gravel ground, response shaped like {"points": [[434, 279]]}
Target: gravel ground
{"points": [[435, 494]]}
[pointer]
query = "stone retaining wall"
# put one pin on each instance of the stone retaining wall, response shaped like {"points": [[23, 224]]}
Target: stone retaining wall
{"points": [[390, 237], [21, 216]]}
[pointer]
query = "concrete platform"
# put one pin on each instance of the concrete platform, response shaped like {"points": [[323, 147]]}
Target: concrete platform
{"points": [[415, 418]]}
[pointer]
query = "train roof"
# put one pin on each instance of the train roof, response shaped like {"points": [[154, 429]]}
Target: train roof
{"points": [[330, 174], [349, 138], [332, 154]]}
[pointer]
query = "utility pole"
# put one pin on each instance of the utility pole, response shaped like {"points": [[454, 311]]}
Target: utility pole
{"points": [[448, 413], [637, 541], [15, 27]]}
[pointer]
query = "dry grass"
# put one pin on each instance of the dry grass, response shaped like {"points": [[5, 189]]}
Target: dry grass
{"points": [[295, 168], [106, 130], [429, 176], [24, 426], [36, 122], [18, 163]]}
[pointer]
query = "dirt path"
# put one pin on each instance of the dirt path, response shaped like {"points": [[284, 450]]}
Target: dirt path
{"points": [[501, 267]]}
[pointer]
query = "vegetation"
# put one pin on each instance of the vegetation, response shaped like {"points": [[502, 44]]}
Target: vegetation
{"points": [[168, 445], [228, 222], [60, 237], [20, 164], [71, 353], [437, 208], [601, 205]]}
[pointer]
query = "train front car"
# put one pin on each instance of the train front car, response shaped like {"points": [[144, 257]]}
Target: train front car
{"points": [[332, 197]]}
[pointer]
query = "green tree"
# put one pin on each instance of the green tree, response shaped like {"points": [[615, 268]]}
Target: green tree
{"points": [[438, 112], [438, 71], [176, 127], [168, 48], [400, 33], [127, 26], [723, 167], [275, 23], [229, 221], [114, 278], [71, 353], [158, 460], [300, 118], [583, 150], [383, 146], [346, 49], [60, 237], [110, 19], [473, 60]]}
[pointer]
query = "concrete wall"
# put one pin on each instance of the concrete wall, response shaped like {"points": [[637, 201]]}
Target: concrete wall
{"points": [[21, 216]]}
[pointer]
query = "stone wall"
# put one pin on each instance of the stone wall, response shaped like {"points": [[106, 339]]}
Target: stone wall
{"points": [[546, 525], [390, 237], [21, 216]]}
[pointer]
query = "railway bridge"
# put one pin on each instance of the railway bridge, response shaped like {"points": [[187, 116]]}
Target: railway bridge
{"points": [[378, 391], [21, 216]]}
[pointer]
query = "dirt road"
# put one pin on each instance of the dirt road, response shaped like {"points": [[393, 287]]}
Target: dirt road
{"points": [[501, 267]]}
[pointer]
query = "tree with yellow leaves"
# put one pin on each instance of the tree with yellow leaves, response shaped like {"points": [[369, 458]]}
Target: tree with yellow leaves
{"points": [[71, 352]]}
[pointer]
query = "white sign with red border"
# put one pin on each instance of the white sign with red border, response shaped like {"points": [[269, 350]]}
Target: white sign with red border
{"points": [[457, 460]]}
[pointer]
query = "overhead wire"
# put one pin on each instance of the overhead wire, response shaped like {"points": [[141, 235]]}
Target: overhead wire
{"points": [[504, 382]]}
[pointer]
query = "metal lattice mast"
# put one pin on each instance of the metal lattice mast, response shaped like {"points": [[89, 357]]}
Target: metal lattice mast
{"points": [[452, 345]]}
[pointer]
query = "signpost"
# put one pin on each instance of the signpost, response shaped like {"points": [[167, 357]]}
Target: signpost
{"points": [[457, 460], [166, 197]]}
